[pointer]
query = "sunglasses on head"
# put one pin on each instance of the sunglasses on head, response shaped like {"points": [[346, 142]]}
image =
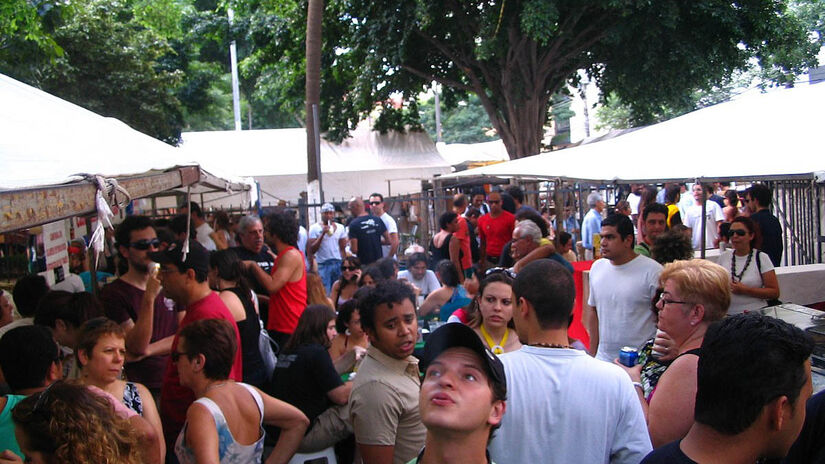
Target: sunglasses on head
{"points": [[500, 270], [145, 244], [738, 232]]}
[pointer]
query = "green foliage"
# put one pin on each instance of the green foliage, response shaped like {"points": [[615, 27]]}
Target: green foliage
{"points": [[516, 54], [21, 21], [466, 122], [109, 65]]}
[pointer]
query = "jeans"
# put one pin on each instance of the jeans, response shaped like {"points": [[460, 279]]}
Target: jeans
{"points": [[330, 271]]}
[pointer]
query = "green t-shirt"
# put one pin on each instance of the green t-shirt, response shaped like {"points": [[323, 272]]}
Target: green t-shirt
{"points": [[7, 439], [642, 249]]}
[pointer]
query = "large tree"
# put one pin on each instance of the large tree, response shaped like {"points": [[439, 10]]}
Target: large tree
{"points": [[515, 54]]}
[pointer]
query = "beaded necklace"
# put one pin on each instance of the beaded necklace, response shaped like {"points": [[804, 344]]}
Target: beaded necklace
{"points": [[734, 277], [550, 345]]}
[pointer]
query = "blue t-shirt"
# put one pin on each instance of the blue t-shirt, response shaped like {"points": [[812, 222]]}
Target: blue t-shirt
{"points": [[368, 230], [592, 224]]}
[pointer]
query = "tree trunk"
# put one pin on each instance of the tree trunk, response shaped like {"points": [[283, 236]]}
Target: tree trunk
{"points": [[313, 82]]}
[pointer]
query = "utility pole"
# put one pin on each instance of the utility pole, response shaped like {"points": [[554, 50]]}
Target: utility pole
{"points": [[233, 64]]}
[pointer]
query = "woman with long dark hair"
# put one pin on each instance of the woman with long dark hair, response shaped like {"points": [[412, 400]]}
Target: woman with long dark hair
{"points": [[493, 319], [451, 296], [226, 277], [752, 277], [305, 376], [345, 287]]}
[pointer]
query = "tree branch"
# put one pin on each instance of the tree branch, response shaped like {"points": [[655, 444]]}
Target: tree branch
{"points": [[432, 77]]}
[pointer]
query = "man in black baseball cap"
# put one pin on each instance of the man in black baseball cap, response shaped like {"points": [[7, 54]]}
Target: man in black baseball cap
{"points": [[183, 275], [462, 399]]}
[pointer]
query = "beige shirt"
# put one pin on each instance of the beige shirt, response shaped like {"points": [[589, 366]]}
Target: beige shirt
{"points": [[384, 404]]}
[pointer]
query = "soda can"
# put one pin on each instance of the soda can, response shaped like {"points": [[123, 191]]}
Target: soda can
{"points": [[628, 356]]}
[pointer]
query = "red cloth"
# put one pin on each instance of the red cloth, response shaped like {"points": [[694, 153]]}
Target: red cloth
{"points": [[496, 231], [174, 397], [463, 236], [576, 329], [287, 304]]}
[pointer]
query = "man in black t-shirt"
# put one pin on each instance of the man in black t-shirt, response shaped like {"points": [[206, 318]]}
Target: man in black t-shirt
{"points": [[366, 233], [252, 248], [758, 199]]}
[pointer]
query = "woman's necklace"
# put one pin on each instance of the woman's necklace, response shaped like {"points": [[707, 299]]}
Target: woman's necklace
{"points": [[216, 385], [738, 278], [496, 348]]}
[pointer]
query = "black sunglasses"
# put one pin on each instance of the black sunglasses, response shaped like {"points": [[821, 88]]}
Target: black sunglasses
{"points": [[145, 244], [738, 232], [348, 268], [373, 203]]}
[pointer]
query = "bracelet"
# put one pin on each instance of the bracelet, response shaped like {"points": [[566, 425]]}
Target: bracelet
{"points": [[639, 386]]}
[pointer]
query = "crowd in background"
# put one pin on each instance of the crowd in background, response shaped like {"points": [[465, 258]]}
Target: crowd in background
{"points": [[221, 340]]}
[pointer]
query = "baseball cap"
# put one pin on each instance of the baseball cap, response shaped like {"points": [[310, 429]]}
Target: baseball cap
{"points": [[197, 259], [327, 208], [457, 335]]}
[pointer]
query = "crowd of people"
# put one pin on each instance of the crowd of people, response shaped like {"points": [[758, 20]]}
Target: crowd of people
{"points": [[256, 341]]}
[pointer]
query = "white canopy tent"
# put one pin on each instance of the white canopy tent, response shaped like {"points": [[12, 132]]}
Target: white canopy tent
{"points": [[368, 161], [757, 136], [47, 141]]}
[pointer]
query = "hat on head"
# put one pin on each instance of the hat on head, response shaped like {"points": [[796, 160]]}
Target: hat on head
{"points": [[327, 208], [197, 259], [457, 335]]}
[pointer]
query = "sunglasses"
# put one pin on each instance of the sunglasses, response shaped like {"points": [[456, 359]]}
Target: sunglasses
{"points": [[348, 268], [374, 203], [738, 232], [500, 270], [145, 244], [175, 355]]}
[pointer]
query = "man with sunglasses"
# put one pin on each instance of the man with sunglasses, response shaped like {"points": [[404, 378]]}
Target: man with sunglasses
{"points": [[137, 303], [377, 207]]}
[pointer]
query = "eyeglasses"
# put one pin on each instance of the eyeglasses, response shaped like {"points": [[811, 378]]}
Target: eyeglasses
{"points": [[374, 203], [145, 244], [349, 268], [175, 355], [500, 270], [666, 301], [41, 400], [738, 232]]}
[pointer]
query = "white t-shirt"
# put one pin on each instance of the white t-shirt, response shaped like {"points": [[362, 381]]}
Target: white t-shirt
{"points": [[392, 228], [427, 285], [203, 237], [622, 297], [751, 278], [693, 220], [564, 406], [329, 245], [634, 200]]}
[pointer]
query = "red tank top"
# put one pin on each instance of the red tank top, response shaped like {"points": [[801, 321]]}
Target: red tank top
{"points": [[287, 304]]}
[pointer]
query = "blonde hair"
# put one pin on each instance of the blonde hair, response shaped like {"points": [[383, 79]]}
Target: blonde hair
{"points": [[700, 281], [72, 424]]}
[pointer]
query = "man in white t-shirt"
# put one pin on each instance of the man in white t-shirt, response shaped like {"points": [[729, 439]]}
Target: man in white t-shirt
{"points": [[562, 405], [377, 206], [622, 285], [417, 274], [327, 242], [713, 218], [203, 231]]}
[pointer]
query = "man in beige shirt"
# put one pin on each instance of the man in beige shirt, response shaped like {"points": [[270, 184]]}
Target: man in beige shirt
{"points": [[384, 398]]}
